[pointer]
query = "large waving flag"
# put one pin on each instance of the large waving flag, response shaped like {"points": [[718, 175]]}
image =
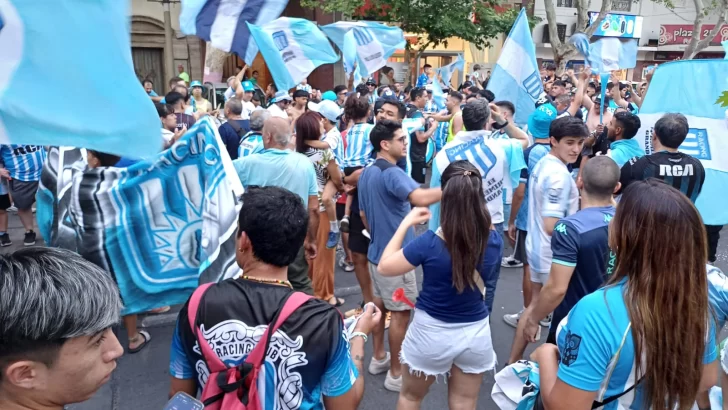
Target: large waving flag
{"points": [[222, 22], [447, 71], [160, 227], [691, 88], [67, 78], [292, 48], [606, 54], [515, 77], [365, 45]]}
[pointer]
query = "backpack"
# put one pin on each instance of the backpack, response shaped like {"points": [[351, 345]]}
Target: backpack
{"points": [[236, 388]]}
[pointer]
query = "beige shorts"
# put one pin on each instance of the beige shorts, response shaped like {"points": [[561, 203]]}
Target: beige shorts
{"points": [[384, 287]]}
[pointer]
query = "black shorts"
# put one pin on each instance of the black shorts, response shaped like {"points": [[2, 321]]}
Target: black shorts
{"points": [[5, 202], [418, 171], [519, 251], [551, 338], [357, 241], [350, 170], [340, 210], [23, 193]]}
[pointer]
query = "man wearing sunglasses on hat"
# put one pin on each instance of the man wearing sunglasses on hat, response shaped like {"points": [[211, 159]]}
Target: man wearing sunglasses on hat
{"points": [[279, 104]]}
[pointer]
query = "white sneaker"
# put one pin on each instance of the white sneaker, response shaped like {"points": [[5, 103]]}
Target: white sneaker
{"points": [[12, 209], [392, 384], [546, 322], [513, 319], [510, 262], [380, 366], [366, 234]]}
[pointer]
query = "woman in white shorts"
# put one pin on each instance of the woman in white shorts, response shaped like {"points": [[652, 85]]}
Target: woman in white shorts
{"points": [[450, 333]]}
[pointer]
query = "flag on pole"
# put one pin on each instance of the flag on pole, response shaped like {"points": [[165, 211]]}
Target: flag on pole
{"points": [[365, 45], [223, 22], [606, 54], [160, 227], [516, 77], [67, 78], [292, 48], [691, 88], [447, 71]]}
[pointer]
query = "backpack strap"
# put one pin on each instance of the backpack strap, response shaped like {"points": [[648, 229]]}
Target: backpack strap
{"points": [[214, 362], [293, 302], [236, 127]]}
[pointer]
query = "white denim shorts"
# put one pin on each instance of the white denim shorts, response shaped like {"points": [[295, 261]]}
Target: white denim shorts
{"points": [[431, 346]]}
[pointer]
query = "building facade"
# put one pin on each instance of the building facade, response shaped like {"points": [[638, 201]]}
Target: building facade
{"points": [[663, 33]]}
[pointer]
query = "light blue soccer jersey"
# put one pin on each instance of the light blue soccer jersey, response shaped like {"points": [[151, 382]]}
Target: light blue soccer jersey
{"points": [[551, 193], [23, 162], [597, 351], [358, 151], [251, 143], [532, 155]]}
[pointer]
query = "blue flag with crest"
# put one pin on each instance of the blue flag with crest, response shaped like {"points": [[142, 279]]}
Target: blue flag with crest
{"points": [[67, 78], [292, 49], [516, 77], [691, 88], [159, 227], [365, 45]]}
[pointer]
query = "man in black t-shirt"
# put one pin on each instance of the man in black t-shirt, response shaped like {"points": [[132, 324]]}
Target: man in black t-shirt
{"points": [[676, 169], [418, 139], [310, 362]]}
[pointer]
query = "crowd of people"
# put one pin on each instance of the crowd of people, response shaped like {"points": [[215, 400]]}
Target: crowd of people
{"points": [[632, 314]]}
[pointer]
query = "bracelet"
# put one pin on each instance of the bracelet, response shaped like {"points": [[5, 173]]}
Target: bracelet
{"points": [[362, 334]]}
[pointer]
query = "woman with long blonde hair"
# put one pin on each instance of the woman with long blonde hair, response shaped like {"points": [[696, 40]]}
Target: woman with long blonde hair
{"points": [[646, 339]]}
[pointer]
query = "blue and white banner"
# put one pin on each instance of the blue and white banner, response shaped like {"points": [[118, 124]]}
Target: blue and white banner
{"points": [[606, 54], [516, 76], [447, 71], [67, 77], [159, 227], [365, 45], [292, 49], [223, 22], [691, 88], [438, 96]]}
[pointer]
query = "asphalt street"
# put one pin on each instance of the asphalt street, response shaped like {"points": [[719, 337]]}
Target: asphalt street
{"points": [[141, 381]]}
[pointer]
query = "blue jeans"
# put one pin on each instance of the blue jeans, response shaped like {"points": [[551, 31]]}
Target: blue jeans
{"points": [[491, 283]]}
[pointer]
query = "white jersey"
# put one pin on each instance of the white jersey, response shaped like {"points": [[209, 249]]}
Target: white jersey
{"points": [[248, 108], [487, 155], [552, 193]]}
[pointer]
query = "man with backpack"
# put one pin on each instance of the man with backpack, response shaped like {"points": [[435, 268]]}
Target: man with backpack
{"points": [[252, 343], [235, 128]]}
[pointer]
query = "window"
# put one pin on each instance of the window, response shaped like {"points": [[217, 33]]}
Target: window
{"points": [[565, 3], [622, 5], [517, 6]]}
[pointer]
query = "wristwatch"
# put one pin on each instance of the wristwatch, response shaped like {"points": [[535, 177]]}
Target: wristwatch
{"points": [[497, 126]]}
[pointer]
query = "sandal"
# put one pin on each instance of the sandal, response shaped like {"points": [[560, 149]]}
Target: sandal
{"points": [[147, 338], [339, 301], [163, 309]]}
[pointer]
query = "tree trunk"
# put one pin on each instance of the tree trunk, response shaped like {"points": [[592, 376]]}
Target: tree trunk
{"points": [[214, 63], [696, 44], [407, 64]]}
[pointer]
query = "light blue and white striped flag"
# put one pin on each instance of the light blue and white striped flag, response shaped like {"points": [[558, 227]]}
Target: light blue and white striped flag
{"points": [[447, 71], [84, 95], [515, 77], [160, 227], [691, 88], [222, 22], [438, 96], [606, 54], [292, 48], [365, 45]]}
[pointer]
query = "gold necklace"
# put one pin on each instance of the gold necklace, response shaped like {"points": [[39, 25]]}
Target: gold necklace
{"points": [[270, 281]]}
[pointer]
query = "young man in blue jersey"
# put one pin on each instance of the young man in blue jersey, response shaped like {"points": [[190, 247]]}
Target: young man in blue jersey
{"points": [[581, 256], [24, 164], [538, 127], [386, 195], [419, 139]]}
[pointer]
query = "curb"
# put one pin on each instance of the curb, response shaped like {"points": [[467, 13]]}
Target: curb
{"points": [[166, 319]]}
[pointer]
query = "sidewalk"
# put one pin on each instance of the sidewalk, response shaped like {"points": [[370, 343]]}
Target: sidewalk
{"points": [[17, 234]]}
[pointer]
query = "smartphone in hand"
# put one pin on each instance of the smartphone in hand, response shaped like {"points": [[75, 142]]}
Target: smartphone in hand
{"points": [[183, 401]]}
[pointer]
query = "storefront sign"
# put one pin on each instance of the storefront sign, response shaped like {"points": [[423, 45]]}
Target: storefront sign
{"points": [[617, 25], [682, 33]]}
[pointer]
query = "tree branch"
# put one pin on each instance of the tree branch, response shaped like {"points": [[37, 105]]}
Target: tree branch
{"points": [[551, 24], [696, 44]]}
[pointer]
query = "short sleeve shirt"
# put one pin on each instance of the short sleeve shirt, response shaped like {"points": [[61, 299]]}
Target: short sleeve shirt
{"points": [[383, 192], [718, 294], [532, 156], [308, 356], [551, 193], [679, 170], [281, 168], [23, 162], [597, 349], [320, 158]]}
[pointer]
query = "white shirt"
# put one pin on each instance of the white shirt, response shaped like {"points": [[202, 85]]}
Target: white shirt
{"points": [[552, 193], [276, 111], [248, 108]]}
